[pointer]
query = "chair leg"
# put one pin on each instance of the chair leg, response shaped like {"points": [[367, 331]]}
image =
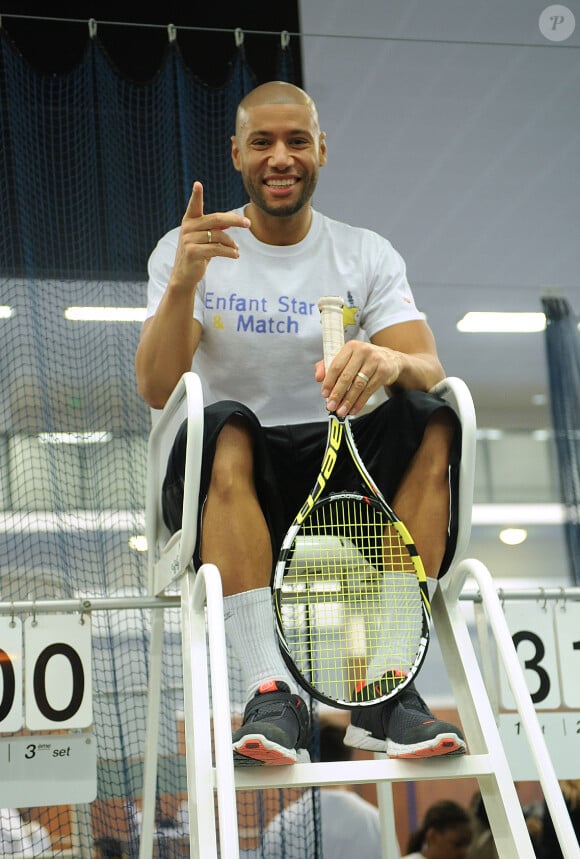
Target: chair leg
{"points": [[198, 751], [208, 590], [152, 737], [389, 841], [477, 718], [528, 716]]}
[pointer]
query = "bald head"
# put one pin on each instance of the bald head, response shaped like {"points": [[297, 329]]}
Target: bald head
{"points": [[273, 92]]}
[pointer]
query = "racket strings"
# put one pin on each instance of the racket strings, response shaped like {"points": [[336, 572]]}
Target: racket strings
{"points": [[350, 602]]}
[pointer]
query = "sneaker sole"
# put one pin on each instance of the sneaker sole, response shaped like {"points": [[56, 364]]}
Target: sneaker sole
{"points": [[442, 744], [257, 750], [439, 746]]}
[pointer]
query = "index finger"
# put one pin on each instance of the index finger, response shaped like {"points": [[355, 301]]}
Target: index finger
{"points": [[195, 204]]}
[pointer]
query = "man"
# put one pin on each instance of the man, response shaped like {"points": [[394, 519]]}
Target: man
{"points": [[238, 290]]}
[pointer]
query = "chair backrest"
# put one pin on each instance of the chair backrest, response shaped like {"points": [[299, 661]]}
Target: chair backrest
{"points": [[457, 394], [169, 555]]}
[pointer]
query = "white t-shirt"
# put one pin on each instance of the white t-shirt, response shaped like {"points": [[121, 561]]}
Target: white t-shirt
{"points": [[350, 827], [261, 323]]}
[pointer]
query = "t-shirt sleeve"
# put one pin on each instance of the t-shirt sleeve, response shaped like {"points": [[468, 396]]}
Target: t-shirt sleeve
{"points": [[390, 299]]}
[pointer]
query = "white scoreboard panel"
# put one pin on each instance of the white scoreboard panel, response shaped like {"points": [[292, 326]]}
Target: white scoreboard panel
{"points": [[546, 635], [46, 685]]}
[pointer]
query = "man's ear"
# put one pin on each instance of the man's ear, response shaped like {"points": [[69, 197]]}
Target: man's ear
{"points": [[235, 153], [323, 149]]}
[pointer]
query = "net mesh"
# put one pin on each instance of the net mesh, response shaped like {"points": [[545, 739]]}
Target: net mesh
{"points": [[348, 601], [563, 354], [94, 168]]}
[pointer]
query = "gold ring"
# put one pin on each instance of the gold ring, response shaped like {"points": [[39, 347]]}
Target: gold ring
{"points": [[364, 377], [209, 236]]}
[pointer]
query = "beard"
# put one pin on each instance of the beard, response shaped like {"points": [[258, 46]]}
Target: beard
{"points": [[280, 208]]}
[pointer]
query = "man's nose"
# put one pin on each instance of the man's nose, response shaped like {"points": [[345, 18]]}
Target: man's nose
{"points": [[280, 155]]}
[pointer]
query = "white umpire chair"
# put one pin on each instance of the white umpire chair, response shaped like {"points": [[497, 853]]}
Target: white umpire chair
{"points": [[208, 720]]}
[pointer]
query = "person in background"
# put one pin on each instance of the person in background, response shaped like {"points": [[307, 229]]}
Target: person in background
{"points": [[482, 845], [108, 848], [12, 838], [446, 833], [349, 824], [236, 293], [548, 844], [37, 833]]}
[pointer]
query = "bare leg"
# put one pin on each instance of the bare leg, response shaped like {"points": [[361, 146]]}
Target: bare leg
{"points": [[235, 536], [422, 499], [236, 539]]}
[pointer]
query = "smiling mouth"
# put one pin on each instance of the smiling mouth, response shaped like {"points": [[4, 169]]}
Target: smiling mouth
{"points": [[280, 183]]}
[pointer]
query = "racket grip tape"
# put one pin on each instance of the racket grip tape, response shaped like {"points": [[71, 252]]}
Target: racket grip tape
{"points": [[330, 307]]}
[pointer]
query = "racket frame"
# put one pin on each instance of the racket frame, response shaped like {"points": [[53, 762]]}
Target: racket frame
{"points": [[339, 432]]}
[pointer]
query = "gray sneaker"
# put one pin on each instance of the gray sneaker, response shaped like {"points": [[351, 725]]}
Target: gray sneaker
{"points": [[275, 729], [403, 728]]}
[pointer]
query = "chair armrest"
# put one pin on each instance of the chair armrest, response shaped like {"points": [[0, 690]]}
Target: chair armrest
{"points": [[184, 403]]}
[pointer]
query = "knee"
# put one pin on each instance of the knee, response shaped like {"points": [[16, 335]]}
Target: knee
{"points": [[233, 464], [438, 439]]}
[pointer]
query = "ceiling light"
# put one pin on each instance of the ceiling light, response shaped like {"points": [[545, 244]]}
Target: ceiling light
{"points": [[138, 542], [513, 536], [502, 323], [542, 434], [488, 434], [528, 514], [5, 311], [105, 314], [74, 437], [75, 521]]}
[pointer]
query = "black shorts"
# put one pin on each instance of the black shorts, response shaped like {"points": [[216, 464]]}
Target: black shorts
{"points": [[288, 458]]}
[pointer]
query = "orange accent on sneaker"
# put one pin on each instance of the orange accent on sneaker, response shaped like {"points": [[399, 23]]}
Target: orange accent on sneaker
{"points": [[267, 754], [268, 686], [395, 674], [446, 746]]}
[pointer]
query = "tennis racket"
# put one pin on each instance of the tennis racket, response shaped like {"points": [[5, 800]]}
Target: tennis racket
{"points": [[350, 592]]}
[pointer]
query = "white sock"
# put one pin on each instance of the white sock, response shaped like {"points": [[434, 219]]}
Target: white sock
{"points": [[250, 630]]}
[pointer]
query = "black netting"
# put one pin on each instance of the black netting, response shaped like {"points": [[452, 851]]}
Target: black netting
{"points": [[563, 353], [94, 168]]}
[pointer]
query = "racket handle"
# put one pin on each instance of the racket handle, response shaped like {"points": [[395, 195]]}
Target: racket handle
{"points": [[330, 307]]}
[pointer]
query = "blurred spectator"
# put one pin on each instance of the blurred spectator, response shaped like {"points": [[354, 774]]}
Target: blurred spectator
{"points": [[549, 846], [37, 833], [109, 848], [483, 844], [12, 839], [446, 833]]}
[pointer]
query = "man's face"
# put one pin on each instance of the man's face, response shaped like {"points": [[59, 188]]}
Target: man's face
{"points": [[279, 150]]}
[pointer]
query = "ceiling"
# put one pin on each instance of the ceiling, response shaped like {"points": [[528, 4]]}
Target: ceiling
{"points": [[453, 128]]}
